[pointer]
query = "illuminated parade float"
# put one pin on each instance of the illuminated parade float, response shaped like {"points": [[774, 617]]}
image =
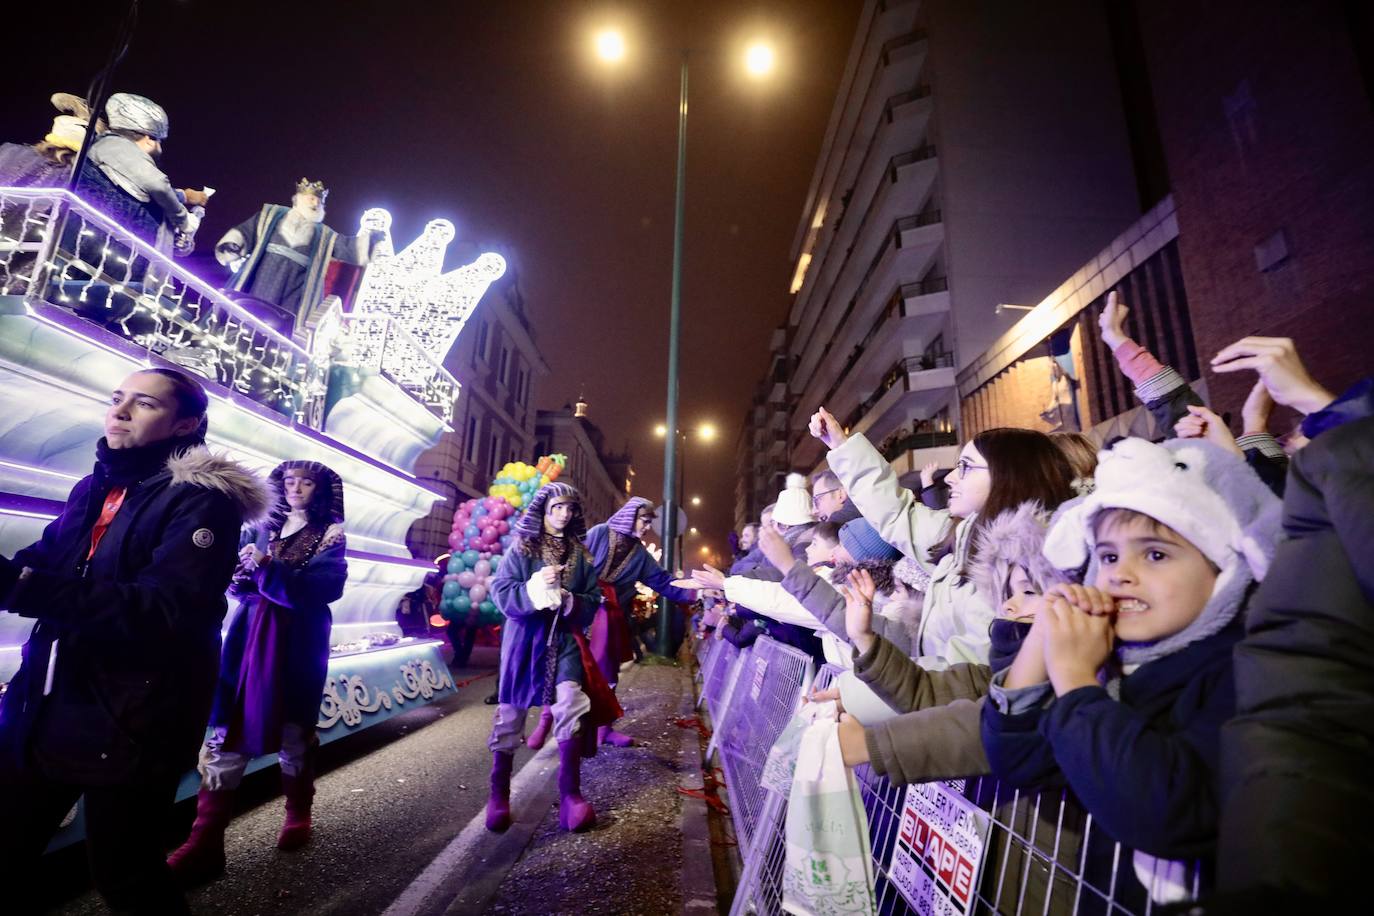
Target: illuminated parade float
{"points": [[361, 388]]}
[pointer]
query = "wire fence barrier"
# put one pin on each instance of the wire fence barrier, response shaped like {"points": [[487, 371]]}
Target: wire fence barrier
{"points": [[964, 846]]}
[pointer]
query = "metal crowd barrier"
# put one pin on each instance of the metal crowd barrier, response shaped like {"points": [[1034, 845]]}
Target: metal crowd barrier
{"points": [[968, 846], [764, 694]]}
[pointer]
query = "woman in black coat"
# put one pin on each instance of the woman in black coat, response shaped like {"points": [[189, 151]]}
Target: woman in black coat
{"points": [[126, 588]]}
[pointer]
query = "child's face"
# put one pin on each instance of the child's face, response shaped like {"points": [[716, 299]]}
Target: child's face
{"points": [[1025, 599], [557, 514], [819, 551], [1159, 580]]}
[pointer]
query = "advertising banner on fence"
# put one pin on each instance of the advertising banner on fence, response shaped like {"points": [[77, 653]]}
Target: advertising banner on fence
{"points": [[938, 855]]}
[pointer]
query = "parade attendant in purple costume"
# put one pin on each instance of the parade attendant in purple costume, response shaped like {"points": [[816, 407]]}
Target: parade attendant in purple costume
{"points": [[620, 561], [546, 587], [276, 656]]}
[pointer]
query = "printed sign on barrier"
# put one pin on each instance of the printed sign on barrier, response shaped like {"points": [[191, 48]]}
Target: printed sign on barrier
{"points": [[938, 855], [760, 669]]}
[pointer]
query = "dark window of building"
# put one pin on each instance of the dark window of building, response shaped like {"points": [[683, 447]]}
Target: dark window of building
{"points": [[470, 442], [483, 339]]}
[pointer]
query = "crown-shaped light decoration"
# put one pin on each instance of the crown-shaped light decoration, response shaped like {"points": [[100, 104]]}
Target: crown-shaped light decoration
{"points": [[410, 288], [306, 186]]}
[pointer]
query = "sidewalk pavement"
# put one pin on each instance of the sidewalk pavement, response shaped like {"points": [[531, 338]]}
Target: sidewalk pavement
{"points": [[650, 852]]}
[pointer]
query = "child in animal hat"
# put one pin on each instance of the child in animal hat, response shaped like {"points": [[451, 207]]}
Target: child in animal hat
{"points": [[1122, 684]]}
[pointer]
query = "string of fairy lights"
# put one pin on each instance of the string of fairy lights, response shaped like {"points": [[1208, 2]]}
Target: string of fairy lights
{"points": [[407, 312]]}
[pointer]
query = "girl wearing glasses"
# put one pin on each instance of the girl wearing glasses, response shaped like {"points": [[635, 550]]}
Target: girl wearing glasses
{"points": [[998, 470]]}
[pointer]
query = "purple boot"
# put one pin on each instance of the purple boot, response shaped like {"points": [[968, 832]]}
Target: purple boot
{"points": [[541, 731], [574, 813], [201, 857], [498, 805], [607, 735]]}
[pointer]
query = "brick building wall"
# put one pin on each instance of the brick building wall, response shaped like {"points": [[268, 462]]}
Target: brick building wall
{"points": [[1267, 122]]}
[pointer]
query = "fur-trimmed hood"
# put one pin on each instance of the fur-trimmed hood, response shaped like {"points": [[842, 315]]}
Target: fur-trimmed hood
{"points": [[199, 467], [1014, 538]]}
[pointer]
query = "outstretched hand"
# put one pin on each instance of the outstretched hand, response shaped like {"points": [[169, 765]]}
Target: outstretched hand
{"points": [[1279, 367], [775, 548], [826, 428], [1112, 321], [928, 474], [1254, 415], [709, 577], [853, 745], [1202, 423], [858, 609]]}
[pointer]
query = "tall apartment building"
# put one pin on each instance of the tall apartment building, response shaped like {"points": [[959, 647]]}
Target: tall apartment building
{"points": [[605, 479], [976, 155], [497, 363], [761, 449]]}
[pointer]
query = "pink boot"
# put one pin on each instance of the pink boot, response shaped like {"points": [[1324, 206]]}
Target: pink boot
{"points": [[607, 735], [201, 857], [574, 813], [541, 731], [498, 805], [300, 796]]}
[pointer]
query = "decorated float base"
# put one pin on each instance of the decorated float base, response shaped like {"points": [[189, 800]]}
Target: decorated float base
{"points": [[362, 689]]}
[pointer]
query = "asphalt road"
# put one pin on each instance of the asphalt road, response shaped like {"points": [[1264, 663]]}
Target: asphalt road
{"points": [[388, 800], [395, 831]]}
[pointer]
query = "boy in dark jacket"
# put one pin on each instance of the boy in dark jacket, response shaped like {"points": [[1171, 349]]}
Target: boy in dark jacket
{"points": [[127, 590], [1122, 685]]}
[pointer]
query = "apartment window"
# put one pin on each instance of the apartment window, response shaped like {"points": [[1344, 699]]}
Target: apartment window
{"points": [[494, 463], [522, 381], [470, 442], [483, 339], [503, 367]]}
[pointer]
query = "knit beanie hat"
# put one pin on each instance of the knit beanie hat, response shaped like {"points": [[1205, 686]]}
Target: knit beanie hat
{"points": [[1014, 538], [1210, 496], [623, 521], [864, 543], [794, 503]]}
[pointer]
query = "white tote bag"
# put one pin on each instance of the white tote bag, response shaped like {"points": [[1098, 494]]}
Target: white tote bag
{"points": [[829, 865]]}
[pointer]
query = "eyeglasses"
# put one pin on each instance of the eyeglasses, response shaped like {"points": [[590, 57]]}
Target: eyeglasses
{"points": [[816, 498], [964, 466]]}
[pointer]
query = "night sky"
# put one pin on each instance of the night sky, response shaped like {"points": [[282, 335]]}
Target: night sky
{"points": [[495, 116]]}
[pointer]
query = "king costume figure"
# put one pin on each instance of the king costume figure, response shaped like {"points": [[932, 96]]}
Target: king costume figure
{"points": [[281, 255]]}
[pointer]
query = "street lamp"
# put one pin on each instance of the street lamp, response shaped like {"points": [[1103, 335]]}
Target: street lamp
{"points": [[703, 432], [759, 59], [610, 46]]}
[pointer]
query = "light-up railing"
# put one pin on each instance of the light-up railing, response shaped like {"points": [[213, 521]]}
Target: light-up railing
{"points": [[55, 246], [377, 343]]}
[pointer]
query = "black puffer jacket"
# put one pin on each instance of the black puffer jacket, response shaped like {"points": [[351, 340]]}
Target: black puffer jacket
{"points": [[138, 636], [1298, 757]]}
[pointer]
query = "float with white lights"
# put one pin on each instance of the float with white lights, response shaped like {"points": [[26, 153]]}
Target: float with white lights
{"points": [[83, 303]]}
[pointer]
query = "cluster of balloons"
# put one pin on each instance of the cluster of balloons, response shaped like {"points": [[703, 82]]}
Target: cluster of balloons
{"points": [[482, 532], [518, 482], [480, 535]]}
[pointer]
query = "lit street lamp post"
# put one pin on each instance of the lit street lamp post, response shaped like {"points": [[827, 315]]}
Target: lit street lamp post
{"points": [[759, 60]]}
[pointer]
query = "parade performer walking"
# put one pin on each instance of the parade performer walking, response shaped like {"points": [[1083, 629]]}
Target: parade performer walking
{"points": [[276, 656], [126, 588], [620, 560], [546, 587]]}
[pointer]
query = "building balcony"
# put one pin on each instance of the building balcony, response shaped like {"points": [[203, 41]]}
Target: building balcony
{"points": [[913, 389], [913, 316]]}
